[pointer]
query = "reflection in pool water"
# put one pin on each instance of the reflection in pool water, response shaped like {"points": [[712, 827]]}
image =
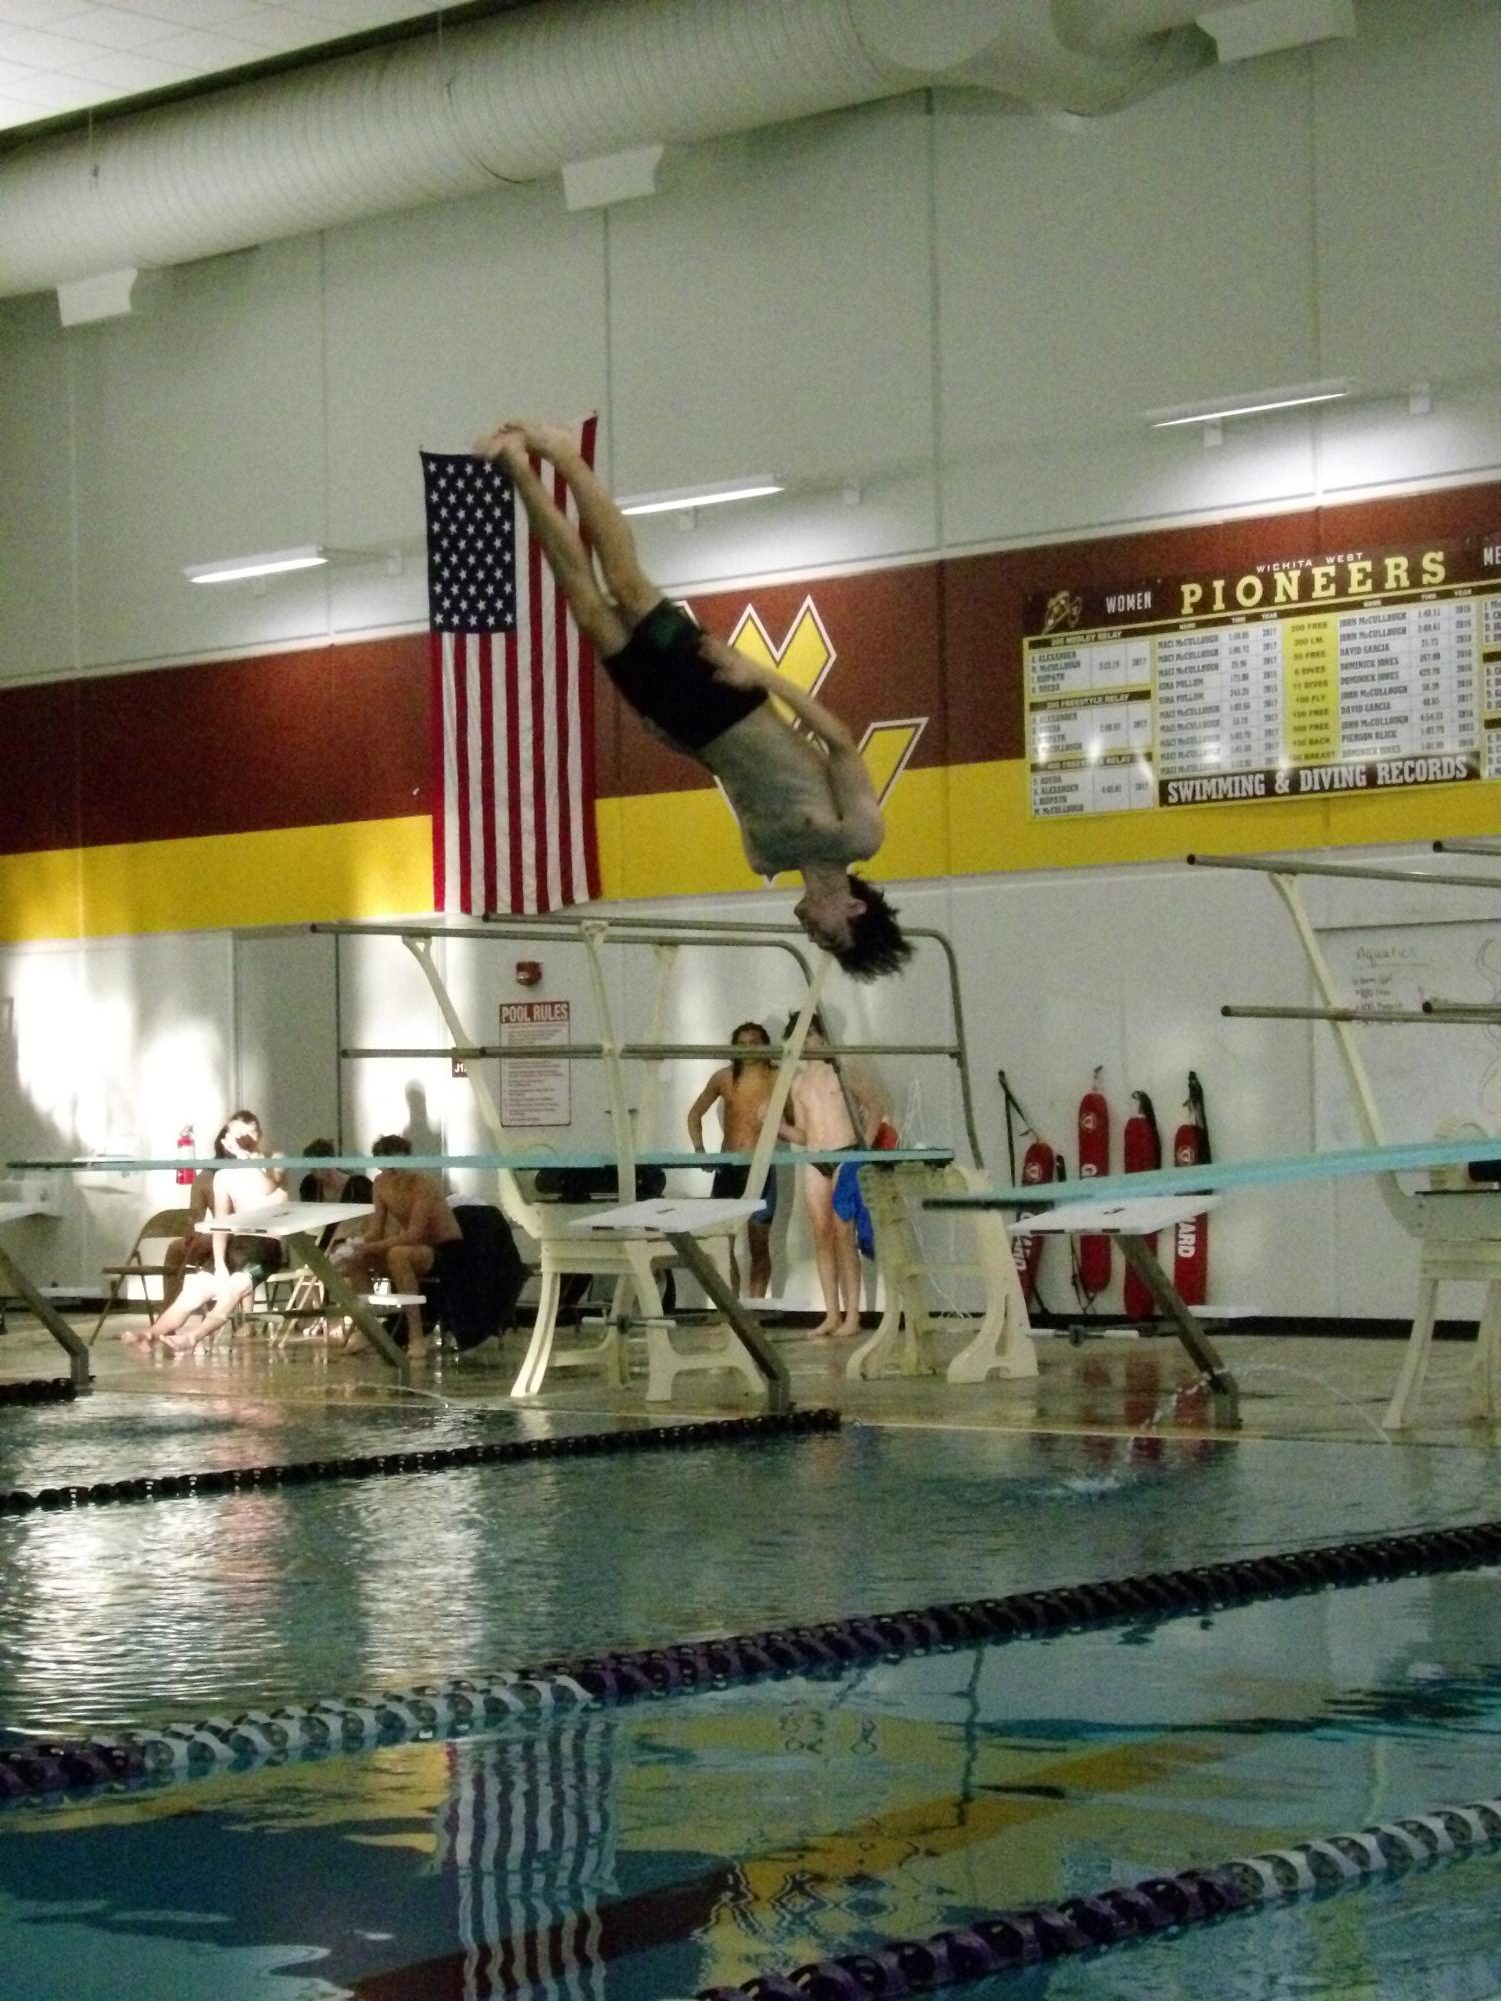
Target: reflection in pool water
{"points": [[658, 1849]]}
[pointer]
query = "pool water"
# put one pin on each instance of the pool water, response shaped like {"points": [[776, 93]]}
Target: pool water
{"points": [[653, 1850], [174, 1609]]}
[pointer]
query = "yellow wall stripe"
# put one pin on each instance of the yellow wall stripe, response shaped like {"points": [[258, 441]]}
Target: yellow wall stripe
{"points": [[288, 875]]}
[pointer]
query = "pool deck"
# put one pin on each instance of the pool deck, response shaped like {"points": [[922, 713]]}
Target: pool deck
{"points": [[1315, 1388]]}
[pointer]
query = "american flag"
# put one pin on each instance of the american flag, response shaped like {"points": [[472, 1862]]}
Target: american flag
{"points": [[512, 701], [527, 1838]]}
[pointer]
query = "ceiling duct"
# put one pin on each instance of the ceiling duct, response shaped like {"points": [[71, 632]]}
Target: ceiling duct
{"points": [[520, 97]]}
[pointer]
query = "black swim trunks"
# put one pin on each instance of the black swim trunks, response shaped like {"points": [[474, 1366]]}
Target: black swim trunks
{"points": [[669, 684], [729, 1186]]}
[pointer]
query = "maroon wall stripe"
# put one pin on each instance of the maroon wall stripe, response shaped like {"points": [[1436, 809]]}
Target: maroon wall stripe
{"points": [[334, 734]]}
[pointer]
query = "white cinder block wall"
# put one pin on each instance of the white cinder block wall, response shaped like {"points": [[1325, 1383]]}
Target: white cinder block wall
{"points": [[960, 310]]}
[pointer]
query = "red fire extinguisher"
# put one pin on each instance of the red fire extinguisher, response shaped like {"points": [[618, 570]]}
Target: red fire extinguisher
{"points": [[185, 1151]]}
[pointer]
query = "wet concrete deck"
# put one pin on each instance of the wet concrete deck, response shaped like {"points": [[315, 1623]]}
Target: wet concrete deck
{"points": [[1291, 1387]]}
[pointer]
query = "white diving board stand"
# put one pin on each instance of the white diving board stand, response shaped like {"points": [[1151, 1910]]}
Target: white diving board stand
{"points": [[682, 1222], [1133, 1225], [1132, 1222], [1458, 1230], [904, 1341], [17, 1282]]}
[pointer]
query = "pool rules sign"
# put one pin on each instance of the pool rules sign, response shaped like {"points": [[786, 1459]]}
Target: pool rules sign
{"points": [[1346, 673], [535, 1087]]}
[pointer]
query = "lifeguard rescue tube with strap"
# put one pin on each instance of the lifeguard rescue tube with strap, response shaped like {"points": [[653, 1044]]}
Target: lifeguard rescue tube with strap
{"points": [[1037, 1167], [1191, 1237], [1093, 1262], [1141, 1148]]}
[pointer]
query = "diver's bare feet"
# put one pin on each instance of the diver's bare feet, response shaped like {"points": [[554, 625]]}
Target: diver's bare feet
{"points": [[824, 1329], [505, 445], [548, 441]]}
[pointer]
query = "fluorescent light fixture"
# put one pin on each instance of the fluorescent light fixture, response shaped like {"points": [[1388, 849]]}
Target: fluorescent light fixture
{"points": [[1251, 403], [234, 569], [713, 495]]}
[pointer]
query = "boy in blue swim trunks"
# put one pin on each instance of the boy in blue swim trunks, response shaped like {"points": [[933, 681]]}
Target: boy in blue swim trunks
{"points": [[803, 797]]}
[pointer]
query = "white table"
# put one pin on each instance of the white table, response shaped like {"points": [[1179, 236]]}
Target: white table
{"points": [[299, 1225], [286, 1219]]}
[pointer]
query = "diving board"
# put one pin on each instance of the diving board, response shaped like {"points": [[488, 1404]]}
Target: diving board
{"points": [[1417, 1156], [300, 1225], [1133, 1223], [1459, 1232], [516, 1160]]}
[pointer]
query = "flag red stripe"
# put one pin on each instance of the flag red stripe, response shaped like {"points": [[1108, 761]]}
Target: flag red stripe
{"points": [[462, 802], [437, 789], [485, 647], [537, 628], [568, 805], [513, 772]]}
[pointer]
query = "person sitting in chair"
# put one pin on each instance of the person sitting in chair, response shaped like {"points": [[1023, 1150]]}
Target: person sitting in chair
{"points": [[411, 1224], [195, 1251], [331, 1184], [248, 1181]]}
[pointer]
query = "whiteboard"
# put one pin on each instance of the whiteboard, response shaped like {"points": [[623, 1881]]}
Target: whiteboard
{"points": [[1424, 1078]]}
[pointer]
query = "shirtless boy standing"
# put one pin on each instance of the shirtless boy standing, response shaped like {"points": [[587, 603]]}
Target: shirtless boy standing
{"points": [[742, 1090], [818, 1117], [803, 797], [411, 1224]]}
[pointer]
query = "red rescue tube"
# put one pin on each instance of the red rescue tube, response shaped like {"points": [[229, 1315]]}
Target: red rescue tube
{"points": [[1037, 1167], [1141, 1147], [1094, 1159], [1191, 1238]]}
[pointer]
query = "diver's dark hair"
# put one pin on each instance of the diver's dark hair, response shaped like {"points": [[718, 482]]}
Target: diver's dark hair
{"points": [[747, 1028], [320, 1149], [391, 1143], [876, 944]]}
